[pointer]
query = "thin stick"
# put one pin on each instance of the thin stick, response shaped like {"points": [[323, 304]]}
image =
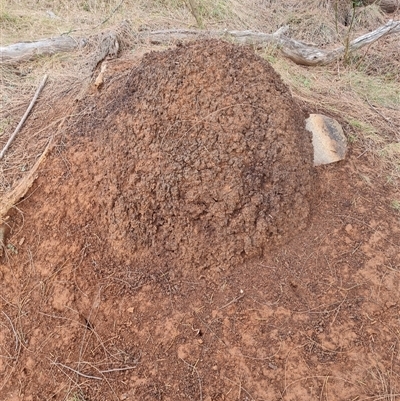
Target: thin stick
{"points": [[112, 13], [21, 123], [77, 371], [90, 376], [338, 309], [14, 332], [377, 111], [117, 369], [233, 301], [195, 12], [211, 331], [241, 388]]}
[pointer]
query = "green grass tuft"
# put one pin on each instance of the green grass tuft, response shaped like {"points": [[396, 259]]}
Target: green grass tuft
{"points": [[6, 18], [395, 205]]}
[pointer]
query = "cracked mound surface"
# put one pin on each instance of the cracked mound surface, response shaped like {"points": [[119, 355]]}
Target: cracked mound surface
{"points": [[204, 157]]}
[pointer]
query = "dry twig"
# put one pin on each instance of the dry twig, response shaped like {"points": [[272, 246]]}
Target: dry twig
{"points": [[102, 372], [232, 301], [17, 344], [24, 117]]}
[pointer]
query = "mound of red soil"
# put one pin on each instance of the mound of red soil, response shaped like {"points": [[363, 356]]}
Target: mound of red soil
{"points": [[89, 312], [206, 153]]}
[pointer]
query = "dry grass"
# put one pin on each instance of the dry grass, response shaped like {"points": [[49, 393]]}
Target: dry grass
{"points": [[310, 20], [381, 383], [18, 86], [368, 104]]}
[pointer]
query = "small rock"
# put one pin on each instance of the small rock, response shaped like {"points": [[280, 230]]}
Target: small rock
{"points": [[390, 304], [130, 310], [272, 366], [329, 141], [100, 78], [50, 14]]}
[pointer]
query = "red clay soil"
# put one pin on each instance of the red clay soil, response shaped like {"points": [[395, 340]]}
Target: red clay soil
{"points": [[169, 249]]}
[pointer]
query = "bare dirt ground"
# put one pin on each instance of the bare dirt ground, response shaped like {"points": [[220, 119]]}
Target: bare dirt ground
{"points": [[135, 269], [91, 310]]}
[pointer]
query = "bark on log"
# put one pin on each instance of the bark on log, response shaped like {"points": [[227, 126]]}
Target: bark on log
{"points": [[299, 52]]}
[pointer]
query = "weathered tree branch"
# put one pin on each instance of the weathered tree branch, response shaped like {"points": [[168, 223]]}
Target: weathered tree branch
{"points": [[299, 52], [387, 29], [24, 117], [8, 200], [27, 50]]}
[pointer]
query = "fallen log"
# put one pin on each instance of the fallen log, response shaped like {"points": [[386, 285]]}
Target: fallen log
{"points": [[299, 52], [106, 44], [27, 50]]}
